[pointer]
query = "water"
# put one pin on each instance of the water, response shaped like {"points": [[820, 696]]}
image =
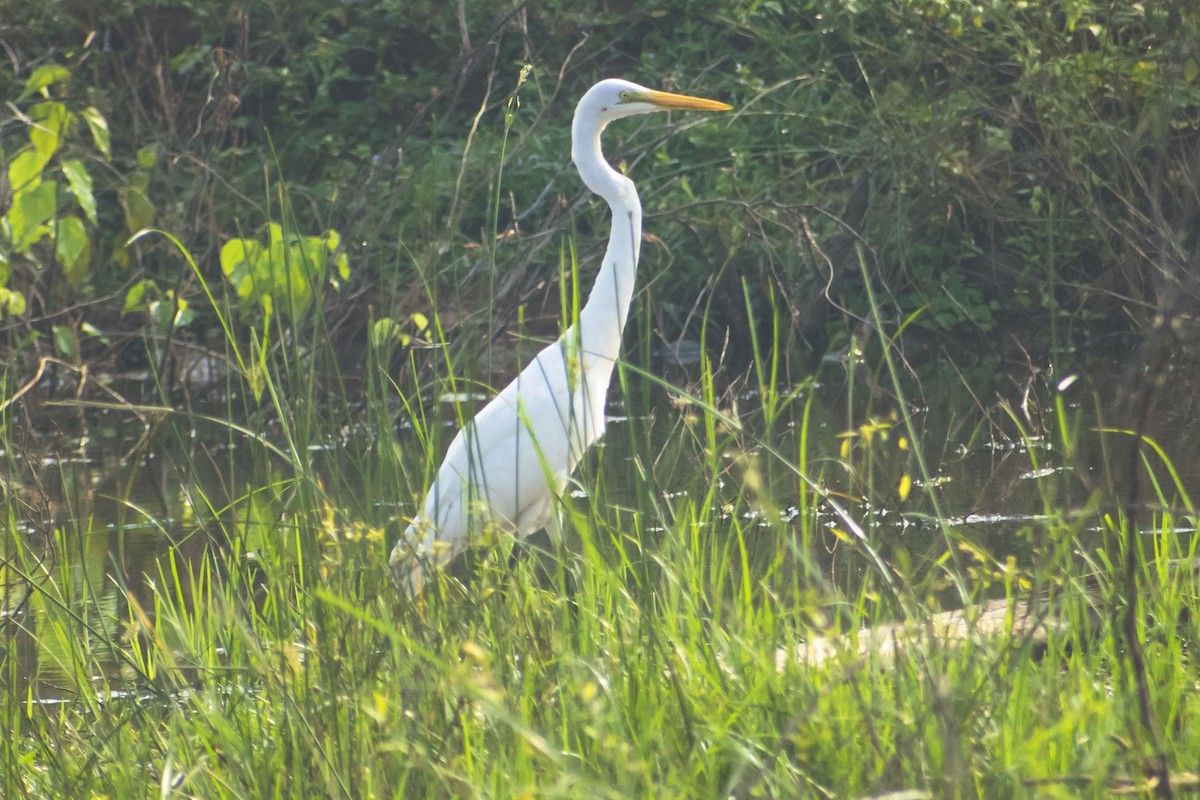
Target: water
{"points": [[124, 493]]}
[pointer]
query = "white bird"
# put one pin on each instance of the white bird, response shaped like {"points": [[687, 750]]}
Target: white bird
{"points": [[505, 467]]}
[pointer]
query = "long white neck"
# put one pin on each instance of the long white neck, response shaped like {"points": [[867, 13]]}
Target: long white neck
{"points": [[602, 319]]}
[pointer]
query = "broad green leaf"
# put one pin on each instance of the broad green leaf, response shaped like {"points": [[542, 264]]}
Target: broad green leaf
{"points": [[136, 296], [233, 255], [25, 171], [283, 273], [316, 252], [29, 212], [73, 249], [12, 302], [98, 125], [299, 287], [32, 236], [273, 276], [80, 181], [43, 77], [238, 263], [313, 254], [51, 120], [274, 265]]}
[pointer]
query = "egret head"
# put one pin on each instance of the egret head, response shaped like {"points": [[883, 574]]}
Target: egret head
{"points": [[614, 99]]}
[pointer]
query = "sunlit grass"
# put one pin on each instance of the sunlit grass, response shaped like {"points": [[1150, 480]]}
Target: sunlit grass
{"points": [[650, 653], [638, 657]]}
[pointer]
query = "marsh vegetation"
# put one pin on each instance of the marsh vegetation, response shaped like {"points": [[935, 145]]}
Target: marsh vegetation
{"points": [[915, 332]]}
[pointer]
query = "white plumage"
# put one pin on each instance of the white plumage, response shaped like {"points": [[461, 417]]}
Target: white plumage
{"points": [[506, 466]]}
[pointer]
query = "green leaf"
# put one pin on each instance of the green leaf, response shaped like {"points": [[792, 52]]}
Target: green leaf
{"points": [[233, 255], [136, 296], [298, 287], [12, 302], [385, 331], [312, 255], [184, 314], [29, 212], [43, 77], [66, 342], [272, 267], [25, 171], [73, 249], [92, 330], [98, 125], [239, 263], [284, 273], [80, 181], [51, 120]]}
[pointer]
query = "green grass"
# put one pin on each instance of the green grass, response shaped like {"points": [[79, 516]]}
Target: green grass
{"points": [[637, 658], [258, 649]]}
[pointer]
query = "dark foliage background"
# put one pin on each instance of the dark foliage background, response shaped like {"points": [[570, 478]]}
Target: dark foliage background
{"points": [[993, 162]]}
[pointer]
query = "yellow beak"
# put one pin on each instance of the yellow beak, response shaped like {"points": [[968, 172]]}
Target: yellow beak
{"points": [[682, 102]]}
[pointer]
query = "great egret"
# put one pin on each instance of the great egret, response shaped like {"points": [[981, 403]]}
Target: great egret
{"points": [[505, 467]]}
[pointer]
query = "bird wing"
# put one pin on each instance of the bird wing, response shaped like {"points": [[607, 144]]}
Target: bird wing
{"points": [[505, 465]]}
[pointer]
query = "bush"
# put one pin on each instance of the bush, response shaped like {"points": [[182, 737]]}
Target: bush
{"points": [[1022, 158]]}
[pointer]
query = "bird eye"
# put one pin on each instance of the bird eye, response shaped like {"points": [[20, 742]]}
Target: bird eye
{"points": [[624, 95]]}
